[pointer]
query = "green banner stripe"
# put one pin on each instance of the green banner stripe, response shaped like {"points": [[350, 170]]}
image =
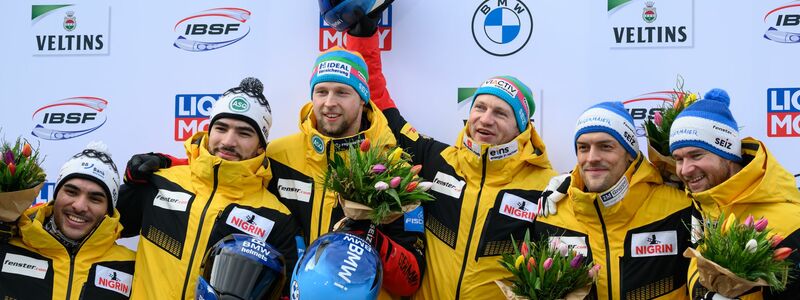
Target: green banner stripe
{"points": [[465, 94], [38, 10], [614, 3]]}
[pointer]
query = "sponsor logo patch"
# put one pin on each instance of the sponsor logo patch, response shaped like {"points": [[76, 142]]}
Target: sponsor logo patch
{"points": [[783, 112], [415, 220], [170, 200], [577, 242], [23, 265], [250, 223], [447, 185], [658, 243], [410, 132], [192, 113], [518, 208], [503, 151], [212, 29], [294, 189], [113, 280], [502, 28], [69, 118]]}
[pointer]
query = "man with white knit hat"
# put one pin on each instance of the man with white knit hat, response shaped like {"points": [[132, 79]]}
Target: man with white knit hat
{"points": [[66, 249], [726, 174], [620, 214], [183, 210]]}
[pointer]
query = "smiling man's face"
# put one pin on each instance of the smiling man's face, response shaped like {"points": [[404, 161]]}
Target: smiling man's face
{"points": [[491, 121]]}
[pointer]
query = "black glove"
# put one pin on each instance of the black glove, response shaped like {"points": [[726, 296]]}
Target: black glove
{"points": [[141, 166], [7, 231], [368, 24]]}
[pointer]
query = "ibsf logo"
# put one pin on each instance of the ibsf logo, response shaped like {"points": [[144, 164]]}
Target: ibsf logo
{"points": [[69, 118], [783, 24], [191, 114], [783, 112], [501, 28], [644, 107], [329, 37], [212, 29]]}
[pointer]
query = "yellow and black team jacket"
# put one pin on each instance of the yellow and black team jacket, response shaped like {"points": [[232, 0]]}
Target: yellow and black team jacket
{"points": [[184, 210], [638, 240], [299, 163], [484, 194], [763, 188], [37, 266]]}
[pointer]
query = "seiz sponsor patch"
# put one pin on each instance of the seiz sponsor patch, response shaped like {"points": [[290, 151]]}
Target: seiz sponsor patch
{"points": [[658, 243], [410, 132], [171, 200], [447, 185], [518, 208], [113, 280], [23, 265], [578, 243], [503, 151], [250, 223], [294, 189]]}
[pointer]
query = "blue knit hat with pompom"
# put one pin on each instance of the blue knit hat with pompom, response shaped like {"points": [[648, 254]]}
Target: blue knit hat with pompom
{"points": [[708, 124]]}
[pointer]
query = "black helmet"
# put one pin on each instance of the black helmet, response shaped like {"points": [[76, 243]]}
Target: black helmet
{"points": [[240, 267]]}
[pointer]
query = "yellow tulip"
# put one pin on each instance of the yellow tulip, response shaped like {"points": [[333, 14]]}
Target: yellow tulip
{"points": [[690, 99], [519, 261], [395, 156], [726, 225]]}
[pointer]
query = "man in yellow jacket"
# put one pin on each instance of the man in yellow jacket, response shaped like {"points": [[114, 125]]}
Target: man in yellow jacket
{"points": [[620, 214], [341, 114], [724, 174], [486, 185], [66, 248], [182, 211]]}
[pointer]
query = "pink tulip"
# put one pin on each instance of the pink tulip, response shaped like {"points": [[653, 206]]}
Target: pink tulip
{"points": [[748, 222], [563, 249], [593, 271], [395, 182], [658, 118], [415, 169], [378, 168], [548, 263], [761, 224]]}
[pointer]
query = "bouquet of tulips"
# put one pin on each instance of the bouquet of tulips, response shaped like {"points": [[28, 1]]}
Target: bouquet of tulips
{"points": [[547, 270], [734, 257], [658, 129], [21, 178], [376, 183]]}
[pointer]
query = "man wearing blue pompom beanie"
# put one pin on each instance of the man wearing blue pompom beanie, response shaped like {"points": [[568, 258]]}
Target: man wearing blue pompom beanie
{"points": [[726, 174]]}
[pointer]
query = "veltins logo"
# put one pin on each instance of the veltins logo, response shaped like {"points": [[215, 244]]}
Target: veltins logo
{"points": [[113, 280], [501, 28], [329, 37], [212, 29], [650, 24], [239, 104], [784, 23], [69, 118], [191, 114], [70, 29], [783, 112]]}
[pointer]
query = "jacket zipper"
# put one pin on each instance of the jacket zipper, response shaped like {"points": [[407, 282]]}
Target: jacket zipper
{"points": [[72, 260], [608, 253], [471, 227], [199, 230], [324, 190]]}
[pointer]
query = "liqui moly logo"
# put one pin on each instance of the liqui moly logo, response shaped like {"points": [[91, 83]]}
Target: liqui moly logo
{"points": [[250, 223]]}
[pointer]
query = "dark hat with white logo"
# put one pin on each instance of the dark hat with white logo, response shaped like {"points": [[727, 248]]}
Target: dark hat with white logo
{"points": [[93, 163], [245, 103]]}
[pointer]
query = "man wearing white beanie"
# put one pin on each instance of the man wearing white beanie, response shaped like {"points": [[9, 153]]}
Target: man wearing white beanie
{"points": [[66, 248], [620, 214], [726, 174]]}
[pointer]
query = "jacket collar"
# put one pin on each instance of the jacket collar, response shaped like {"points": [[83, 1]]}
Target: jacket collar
{"points": [[318, 145], [761, 180], [639, 177], [33, 234], [502, 161], [235, 178]]}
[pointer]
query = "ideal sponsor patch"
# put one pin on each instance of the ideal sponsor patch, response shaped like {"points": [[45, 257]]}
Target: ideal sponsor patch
{"points": [[170, 200], [334, 67], [250, 223], [518, 208], [113, 280], [658, 243], [26, 266], [447, 185], [294, 189]]}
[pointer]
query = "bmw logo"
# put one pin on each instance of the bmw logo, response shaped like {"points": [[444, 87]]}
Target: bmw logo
{"points": [[502, 28]]}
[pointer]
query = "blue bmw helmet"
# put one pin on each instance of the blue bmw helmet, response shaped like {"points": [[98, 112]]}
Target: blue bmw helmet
{"points": [[337, 265], [240, 267], [342, 14]]}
